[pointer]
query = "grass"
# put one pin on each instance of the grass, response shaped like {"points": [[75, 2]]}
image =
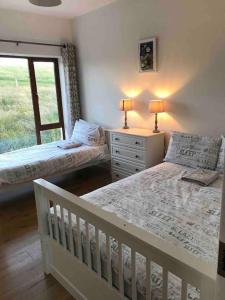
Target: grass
{"points": [[17, 127]]}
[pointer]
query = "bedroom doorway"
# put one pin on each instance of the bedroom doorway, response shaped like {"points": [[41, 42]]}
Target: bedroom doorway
{"points": [[30, 102]]}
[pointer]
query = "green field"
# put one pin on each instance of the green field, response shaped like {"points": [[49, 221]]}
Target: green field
{"points": [[17, 128]]}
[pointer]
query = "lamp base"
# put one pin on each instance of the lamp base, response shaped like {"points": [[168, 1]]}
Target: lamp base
{"points": [[125, 121], [155, 131]]}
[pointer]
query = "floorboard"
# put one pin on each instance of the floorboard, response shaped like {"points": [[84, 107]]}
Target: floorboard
{"points": [[21, 276]]}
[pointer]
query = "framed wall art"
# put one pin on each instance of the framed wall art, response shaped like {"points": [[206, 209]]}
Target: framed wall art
{"points": [[147, 55]]}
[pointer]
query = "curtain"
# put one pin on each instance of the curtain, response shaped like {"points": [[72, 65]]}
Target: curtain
{"points": [[73, 103]]}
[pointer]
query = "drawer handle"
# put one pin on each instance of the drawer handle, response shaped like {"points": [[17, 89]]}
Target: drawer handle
{"points": [[117, 151], [137, 170], [117, 164], [137, 143], [137, 156], [117, 139]]}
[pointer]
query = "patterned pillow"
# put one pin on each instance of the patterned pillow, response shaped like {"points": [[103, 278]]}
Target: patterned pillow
{"points": [[220, 163], [193, 150], [88, 134]]}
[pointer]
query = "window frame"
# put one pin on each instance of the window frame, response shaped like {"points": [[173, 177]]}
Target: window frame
{"points": [[39, 127]]}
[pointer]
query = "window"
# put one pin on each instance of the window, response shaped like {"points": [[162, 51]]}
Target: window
{"points": [[30, 102]]}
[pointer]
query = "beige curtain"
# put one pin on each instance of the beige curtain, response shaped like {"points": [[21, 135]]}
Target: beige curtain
{"points": [[70, 71]]}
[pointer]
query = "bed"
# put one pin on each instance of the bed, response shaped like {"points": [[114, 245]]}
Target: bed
{"points": [[149, 236], [24, 165]]}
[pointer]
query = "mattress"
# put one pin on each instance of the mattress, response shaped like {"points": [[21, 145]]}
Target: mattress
{"points": [[26, 164], [157, 200]]}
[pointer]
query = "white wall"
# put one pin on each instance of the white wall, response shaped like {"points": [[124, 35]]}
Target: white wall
{"points": [[191, 63], [32, 27]]}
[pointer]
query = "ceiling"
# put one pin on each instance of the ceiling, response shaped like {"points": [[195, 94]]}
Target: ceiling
{"points": [[68, 9]]}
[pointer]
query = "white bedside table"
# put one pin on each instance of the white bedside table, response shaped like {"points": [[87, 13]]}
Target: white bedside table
{"points": [[133, 150]]}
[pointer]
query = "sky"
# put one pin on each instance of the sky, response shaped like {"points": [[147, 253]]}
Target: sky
{"points": [[9, 61]]}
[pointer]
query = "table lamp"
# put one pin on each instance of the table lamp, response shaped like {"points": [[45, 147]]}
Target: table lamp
{"points": [[126, 105], [156, 106]]}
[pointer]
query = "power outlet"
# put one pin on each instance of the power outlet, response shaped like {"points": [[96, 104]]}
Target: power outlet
{"points": [[221, 259]]}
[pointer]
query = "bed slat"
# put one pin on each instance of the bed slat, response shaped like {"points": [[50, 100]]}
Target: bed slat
{"points": [[98, 255], [148, 278], [79, 245], [88, 251], [133, 272], [108, 253], [63, 233], [70, 232], [121, 283], [184, 290], [49, 221], [165, 284], [56, 222]]}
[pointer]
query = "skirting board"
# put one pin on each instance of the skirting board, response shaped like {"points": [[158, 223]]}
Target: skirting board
{"points": [[71, 273]]}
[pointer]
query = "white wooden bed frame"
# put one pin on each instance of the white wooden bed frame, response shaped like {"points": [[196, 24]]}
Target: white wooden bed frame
{"points": [[79, 278]]}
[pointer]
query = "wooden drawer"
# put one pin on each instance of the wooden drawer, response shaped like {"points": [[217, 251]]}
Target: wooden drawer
{"points": [[123, 139], [118, 174], [125, 153], [126, 166]]}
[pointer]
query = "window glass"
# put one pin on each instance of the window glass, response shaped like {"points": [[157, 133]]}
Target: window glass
{"points": [[17, 126], [46, 89], [28, 87], [51, 135]]}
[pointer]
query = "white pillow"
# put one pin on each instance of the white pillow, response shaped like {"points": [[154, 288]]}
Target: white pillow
{"points": [[220, 163], [88, 134], [193, 150]]}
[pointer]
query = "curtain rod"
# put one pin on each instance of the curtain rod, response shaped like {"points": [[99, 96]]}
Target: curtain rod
{"points": [[32, 43]]}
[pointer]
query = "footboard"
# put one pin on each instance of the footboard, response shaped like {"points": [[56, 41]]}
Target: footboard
{"points": [[72, 263]]}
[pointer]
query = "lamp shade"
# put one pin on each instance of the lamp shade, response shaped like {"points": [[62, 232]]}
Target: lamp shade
{"points": [[126, 104], [156, 106], [46, 3]]}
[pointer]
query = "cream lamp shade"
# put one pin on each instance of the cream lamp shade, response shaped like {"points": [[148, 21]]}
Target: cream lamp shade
{"points": [[156, 106], [126, 105]]}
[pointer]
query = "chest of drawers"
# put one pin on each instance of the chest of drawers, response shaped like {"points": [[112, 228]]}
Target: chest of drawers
{"points": [[133, 150]]}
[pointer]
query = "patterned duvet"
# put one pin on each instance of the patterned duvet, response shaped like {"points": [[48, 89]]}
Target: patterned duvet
{"points": [[182, 213], [26, 164]]}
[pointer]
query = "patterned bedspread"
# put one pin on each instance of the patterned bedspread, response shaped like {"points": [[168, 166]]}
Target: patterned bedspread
{"points": [[157, 200], [26, 164]]}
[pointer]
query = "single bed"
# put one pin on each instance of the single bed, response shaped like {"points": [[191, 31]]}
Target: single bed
{"points": [[149, 236], [24, 165]]}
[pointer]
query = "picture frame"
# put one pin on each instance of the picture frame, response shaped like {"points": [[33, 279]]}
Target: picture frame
{"points": [[148, 55]]}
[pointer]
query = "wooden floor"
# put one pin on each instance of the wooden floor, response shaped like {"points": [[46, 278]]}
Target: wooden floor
{"points": [[21, 275]]}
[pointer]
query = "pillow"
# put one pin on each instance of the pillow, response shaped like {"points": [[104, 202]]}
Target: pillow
{"points": [[193, 150], [220, 163], [88, 134]]}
